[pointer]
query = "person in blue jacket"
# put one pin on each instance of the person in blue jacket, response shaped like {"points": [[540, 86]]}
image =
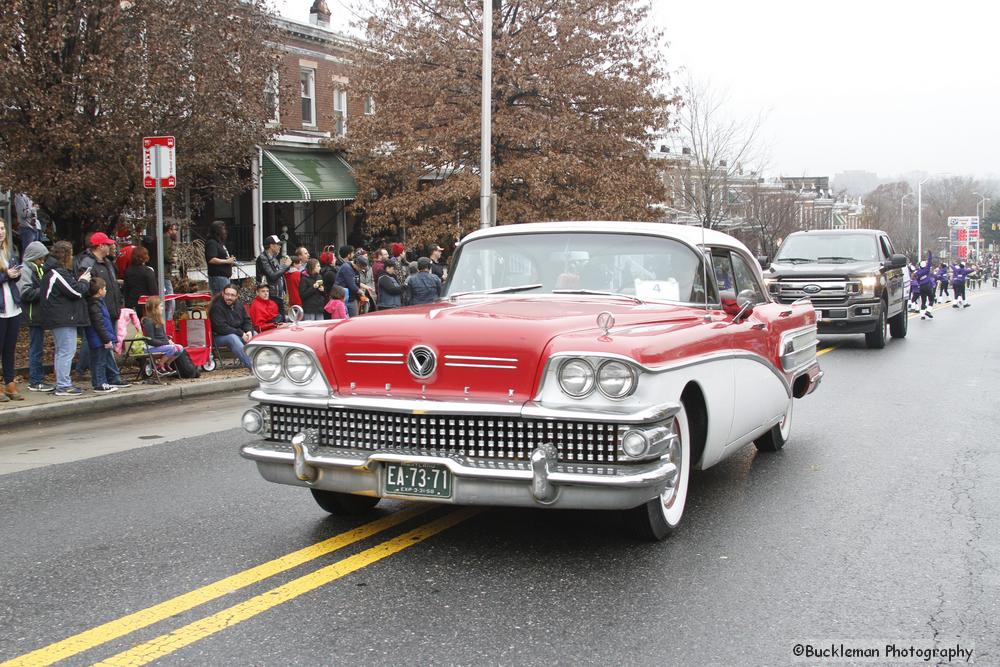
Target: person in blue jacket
{"points": [[958, 275], [925, 279], [941, 276]]}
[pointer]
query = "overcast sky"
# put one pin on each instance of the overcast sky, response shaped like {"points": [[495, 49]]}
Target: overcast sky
{"points": [[887, 86]]}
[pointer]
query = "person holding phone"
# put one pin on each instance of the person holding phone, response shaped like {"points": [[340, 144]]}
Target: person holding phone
{"points": [[64, 309]]}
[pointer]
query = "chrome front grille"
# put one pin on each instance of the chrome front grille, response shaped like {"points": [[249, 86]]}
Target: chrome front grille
{"points": [[830, 292], [502, 438]]}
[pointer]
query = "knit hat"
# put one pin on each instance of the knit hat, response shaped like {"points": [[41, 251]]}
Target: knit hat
{"points": [[35, 250], [397, 249]]}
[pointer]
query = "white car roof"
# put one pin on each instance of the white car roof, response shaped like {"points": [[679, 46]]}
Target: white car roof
{"points": [[687, 233]]}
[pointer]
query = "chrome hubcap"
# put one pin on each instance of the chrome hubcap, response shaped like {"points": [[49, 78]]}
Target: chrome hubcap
{"points": [[675, 456]]}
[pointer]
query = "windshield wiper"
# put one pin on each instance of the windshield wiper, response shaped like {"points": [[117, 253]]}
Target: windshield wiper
{"points": [[510, 289], [793, 260], [597, 293], [836, 259]]}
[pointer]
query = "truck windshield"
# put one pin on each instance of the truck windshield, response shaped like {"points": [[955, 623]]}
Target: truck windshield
{"points": [[831, 248], [615, 265]]}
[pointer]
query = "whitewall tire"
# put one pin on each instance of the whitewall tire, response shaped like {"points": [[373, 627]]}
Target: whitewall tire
{"points": [[661, 516]]}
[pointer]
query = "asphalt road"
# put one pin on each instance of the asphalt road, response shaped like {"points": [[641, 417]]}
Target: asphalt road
{"points": [[877, 524]]}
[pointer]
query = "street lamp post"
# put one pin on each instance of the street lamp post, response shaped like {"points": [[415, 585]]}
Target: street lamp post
{"points": [[920, 211], [485, 188]]}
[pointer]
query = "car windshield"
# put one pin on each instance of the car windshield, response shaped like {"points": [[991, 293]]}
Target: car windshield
{"points": [[832, 248], [613, 265]]}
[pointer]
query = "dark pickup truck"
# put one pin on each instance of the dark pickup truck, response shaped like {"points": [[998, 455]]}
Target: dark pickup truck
{"points": [[853, 277]]}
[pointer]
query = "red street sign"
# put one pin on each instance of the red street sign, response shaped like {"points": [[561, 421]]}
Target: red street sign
{"points": [[167, 165]]}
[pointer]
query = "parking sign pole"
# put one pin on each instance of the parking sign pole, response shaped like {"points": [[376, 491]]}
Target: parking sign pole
{"points": [[159, 219]]}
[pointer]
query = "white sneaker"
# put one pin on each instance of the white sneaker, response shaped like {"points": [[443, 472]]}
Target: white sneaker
{"points": [[105, 389]]}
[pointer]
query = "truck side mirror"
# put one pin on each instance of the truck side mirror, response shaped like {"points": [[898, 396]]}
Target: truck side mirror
{"points": [[897, 261], [764, 261]]}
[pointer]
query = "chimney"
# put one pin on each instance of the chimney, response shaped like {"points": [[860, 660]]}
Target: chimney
{"points": [[319, 14], [685, 151]]}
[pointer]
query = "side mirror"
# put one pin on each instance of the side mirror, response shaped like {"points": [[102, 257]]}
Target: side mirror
{"points": [[897, 261], [764, 261], [740, 306]]}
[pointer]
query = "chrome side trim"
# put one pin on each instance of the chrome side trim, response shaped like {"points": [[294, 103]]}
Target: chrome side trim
{"points": [[463, 357], [649, 415], [375, 361], [480, 365], [374, 354]]}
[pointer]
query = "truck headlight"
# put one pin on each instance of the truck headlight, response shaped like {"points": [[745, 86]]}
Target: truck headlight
{"points": [[299, 368], [615, 379], [576, 378], [868, 284], [267, 364]]}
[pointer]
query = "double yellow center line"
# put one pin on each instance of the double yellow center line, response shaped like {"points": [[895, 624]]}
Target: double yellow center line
{"points": [[167, 643]]}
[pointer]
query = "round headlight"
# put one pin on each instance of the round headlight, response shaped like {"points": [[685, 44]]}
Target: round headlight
{"points": [[253, 422], [576, 378], [267, 364], [635, 444], [299, 367], [616, 379]]}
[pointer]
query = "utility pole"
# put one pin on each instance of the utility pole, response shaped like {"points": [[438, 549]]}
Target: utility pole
{"points": [[485, 159]]}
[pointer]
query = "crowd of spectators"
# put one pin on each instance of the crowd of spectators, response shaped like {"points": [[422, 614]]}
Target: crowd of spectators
{"points": [[84, 299]]}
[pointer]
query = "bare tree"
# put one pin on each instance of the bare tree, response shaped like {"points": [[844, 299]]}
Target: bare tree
{"points": [[576, 87], [722, 151], [891, 208], [769, 215]]}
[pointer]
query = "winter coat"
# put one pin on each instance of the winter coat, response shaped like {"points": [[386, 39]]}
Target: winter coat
{"points": [[140, 280], [229, 319], [264, 314], [102, 269], [156, 333], [292, 280], [390, 292], [29, 285], [959, 274], [941, 276], [269, 272], [347, 278], [64, 301], [425, 287], [12, 284], [313, 299], [101, 330]]}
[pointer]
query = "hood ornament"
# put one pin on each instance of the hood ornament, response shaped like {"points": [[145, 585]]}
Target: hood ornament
{"points": [[421, 362], [605, 320]]}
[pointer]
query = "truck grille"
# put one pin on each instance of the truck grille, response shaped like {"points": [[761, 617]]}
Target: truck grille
{"points": [[510, 438], [831, 292]]}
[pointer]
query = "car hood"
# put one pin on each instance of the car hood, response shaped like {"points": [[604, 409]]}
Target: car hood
{"points": [[821, 270], [486, 349]]}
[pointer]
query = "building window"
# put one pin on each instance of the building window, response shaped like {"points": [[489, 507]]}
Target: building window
{"points": [[340, 112], [271, 98], [307, 83], [369, 105]]}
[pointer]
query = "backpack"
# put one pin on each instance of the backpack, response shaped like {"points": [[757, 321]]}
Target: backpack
{"points": [[185, 367]]}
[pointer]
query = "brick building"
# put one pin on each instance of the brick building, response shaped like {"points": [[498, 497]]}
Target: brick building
{"points": [[302, 187]]}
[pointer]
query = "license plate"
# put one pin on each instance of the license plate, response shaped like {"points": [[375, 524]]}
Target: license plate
{"points": [[411, 479]]}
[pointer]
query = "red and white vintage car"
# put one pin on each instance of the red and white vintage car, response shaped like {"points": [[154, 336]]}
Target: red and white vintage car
{"points": [[585, 365]]}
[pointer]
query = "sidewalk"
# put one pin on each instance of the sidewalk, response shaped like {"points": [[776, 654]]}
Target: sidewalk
{"points": [[39, 406]]}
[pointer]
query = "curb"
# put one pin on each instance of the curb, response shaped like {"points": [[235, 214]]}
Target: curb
{"points": [[71, 407]]}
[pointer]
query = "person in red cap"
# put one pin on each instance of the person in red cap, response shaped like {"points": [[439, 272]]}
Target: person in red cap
{"points": [[97, 258]]}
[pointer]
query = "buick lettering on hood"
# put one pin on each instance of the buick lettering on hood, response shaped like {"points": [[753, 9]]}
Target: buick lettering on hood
{"points": [[583, 365]]}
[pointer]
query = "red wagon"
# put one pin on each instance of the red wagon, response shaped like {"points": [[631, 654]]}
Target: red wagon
{"points": [[194, 332]]}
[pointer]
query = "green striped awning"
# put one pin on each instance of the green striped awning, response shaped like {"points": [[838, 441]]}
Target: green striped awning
{"points": [[288, 176]]}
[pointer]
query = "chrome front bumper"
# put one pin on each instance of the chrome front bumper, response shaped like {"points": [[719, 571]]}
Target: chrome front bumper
{"points": [[540, 482]]}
